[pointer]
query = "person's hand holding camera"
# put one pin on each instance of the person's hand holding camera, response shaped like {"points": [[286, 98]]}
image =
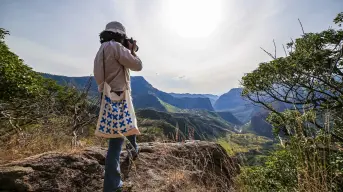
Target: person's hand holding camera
{"points": [[133, 47]]}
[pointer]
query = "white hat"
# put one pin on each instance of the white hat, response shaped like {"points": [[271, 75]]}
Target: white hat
{"points": [[115, 27]]}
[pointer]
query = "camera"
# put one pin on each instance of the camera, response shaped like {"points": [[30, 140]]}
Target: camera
{"points": [[126, 43]]}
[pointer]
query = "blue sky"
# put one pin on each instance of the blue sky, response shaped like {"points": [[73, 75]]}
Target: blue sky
{"points": [[194, 46]]}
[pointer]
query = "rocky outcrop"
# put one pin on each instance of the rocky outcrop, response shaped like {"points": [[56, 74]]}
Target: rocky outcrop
{"points": [[193, 166]]}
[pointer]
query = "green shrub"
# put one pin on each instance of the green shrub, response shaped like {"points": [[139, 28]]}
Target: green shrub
{"points": [[279, 173]]}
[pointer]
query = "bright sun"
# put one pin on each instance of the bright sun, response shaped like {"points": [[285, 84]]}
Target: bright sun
{"points": [[194, 18]]}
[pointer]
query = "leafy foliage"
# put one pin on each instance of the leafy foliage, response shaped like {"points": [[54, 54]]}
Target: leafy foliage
{"points": [[309, 77], [278, 174], [27, 98], [309, 81], [16, 78], [303, 165]]}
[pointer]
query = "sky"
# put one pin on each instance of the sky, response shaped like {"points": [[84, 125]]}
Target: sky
{"points": [[187, 46]]}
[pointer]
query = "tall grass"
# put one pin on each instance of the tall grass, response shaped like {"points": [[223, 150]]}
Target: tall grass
{"points": [[304, 163], [52, 135]]}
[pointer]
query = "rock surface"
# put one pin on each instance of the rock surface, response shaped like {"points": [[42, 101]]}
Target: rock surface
{"points": [[193, 166]]}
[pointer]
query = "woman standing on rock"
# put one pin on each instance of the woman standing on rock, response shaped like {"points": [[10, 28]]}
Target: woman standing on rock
{"points": [[117, 120]]}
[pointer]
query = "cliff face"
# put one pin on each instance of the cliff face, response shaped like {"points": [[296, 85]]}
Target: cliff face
{"points": [[194, 166], [230, 100]]}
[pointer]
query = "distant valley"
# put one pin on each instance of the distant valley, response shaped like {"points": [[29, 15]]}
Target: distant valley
{"points": [[238, 113]]}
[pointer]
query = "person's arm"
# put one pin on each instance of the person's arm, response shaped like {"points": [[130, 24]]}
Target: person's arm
{"points": [[98, 69], [127, 58]]}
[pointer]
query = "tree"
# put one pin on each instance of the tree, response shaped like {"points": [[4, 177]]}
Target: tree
{"points": [[26, 97], [16, 78], [309, 77]]}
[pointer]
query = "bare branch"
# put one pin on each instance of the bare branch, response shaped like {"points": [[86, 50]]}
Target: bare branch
{"points": [[302, 28], [268, 53], [284, 49], [274, 49]]}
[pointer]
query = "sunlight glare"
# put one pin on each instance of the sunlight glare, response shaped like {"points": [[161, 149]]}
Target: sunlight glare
{"points": [[194, 18]]}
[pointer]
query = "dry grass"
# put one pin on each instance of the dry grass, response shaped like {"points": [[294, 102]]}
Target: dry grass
{"points": [[182, 167], [315, 163], [20, 148], [54, 135], [315, 171]]}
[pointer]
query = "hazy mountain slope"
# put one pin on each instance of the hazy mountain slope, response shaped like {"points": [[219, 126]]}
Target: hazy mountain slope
{"points": [[230, 100], [259, 124], [213, 98], [233, 102], [226, 115]]}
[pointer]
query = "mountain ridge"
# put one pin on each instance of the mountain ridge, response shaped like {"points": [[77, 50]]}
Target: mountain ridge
{"points": [[143, 93]]}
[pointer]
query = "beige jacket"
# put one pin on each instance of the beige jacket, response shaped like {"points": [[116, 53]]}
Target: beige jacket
{"points": [[118, 63]]}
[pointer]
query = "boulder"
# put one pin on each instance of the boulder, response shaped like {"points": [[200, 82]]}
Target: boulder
{"points": [[190, 166]]}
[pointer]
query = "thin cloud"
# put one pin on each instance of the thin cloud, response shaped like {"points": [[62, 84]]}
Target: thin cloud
{"points": [[45, 59], [64, 40]]}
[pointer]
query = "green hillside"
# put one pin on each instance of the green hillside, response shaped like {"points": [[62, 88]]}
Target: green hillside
{"points": [[169, 107], [205, 125]]}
